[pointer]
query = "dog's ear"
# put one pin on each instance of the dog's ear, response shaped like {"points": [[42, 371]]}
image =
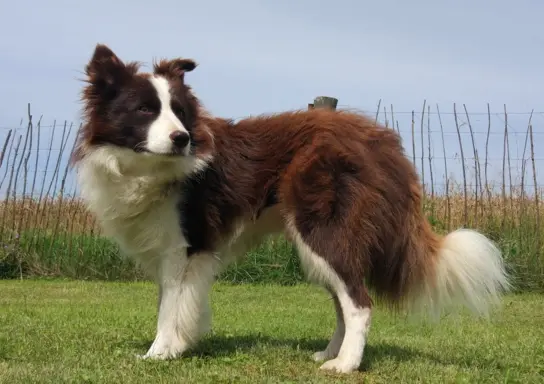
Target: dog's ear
{"points": [[185, 65], [175, 67], [105, 71]]}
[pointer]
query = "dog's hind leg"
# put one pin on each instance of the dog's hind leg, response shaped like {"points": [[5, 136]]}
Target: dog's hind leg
{"points": [[184, 310], [336, 341], [352, 302]]}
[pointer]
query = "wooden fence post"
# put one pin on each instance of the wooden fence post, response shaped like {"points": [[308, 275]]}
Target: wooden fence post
{"points": [[324, 102]]}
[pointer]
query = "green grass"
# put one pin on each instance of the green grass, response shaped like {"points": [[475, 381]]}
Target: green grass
{"points": [[89, 332], [85, 257]]}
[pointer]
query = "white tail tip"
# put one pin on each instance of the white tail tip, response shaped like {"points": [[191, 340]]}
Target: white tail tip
{"points": [[469, 272]]}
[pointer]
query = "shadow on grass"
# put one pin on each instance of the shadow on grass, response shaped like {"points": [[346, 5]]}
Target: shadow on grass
{"points": [[218, 346]]}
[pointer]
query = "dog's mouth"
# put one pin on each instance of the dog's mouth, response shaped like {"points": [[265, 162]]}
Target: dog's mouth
{"points": [[171, 154]]}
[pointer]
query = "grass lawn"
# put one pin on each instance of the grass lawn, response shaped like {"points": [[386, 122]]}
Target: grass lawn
{"points": [[87, 332]]}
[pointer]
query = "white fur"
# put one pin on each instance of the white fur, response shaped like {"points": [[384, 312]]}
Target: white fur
{"points": [[158, 135], [184, 310], [470, 273], [353, 323], [128, 193]]}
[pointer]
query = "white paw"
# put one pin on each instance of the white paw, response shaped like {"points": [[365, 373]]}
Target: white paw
{"points": [[322, 355], [340, 366], [164, 350], [163, 355]]}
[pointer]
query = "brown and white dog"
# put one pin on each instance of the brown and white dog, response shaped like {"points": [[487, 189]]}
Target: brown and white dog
{"points": [[184, 193]]}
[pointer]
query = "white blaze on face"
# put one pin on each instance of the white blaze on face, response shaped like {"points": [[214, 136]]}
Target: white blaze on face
{"points": [[158, 134]]}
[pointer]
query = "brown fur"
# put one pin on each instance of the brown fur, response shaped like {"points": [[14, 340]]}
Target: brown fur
{"points": [[353, 194]]}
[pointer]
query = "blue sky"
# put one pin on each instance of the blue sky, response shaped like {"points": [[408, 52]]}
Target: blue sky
{"points": [[265, 56]]}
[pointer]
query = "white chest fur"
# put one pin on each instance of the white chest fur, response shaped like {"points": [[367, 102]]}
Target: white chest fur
{"points": [[133, 208]]}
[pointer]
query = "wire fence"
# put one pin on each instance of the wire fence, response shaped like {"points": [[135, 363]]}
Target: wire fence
{"points": [[478, 170]]}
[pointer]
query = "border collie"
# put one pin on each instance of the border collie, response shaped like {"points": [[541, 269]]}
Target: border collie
{"points": [[185, 193]]}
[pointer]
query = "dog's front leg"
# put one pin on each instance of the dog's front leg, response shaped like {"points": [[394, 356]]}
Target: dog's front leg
{"points": [[184, 310]]}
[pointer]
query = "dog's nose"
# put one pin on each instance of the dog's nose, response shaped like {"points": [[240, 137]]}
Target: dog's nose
{"points": [[179, 138]]}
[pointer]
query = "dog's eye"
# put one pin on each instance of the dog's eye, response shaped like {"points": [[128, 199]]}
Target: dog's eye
{"points": [[144, 109]]}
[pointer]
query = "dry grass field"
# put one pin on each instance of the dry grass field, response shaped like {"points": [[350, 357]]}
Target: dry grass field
{"points": [[61, 238]]}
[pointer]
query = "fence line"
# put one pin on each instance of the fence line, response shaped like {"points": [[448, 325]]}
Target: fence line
{"points": [[492, 185]]}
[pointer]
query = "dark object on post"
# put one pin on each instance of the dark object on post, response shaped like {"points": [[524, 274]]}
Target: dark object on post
{"points": [[325, 102]]}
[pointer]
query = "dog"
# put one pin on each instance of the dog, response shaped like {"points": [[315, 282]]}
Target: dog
{"points": [[185, 193]]}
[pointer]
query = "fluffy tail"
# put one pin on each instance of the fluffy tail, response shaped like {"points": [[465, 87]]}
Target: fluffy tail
{"points": [[467, 269]]}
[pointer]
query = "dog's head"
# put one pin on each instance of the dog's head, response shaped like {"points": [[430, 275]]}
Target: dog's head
{"points": [[150, 114]]}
